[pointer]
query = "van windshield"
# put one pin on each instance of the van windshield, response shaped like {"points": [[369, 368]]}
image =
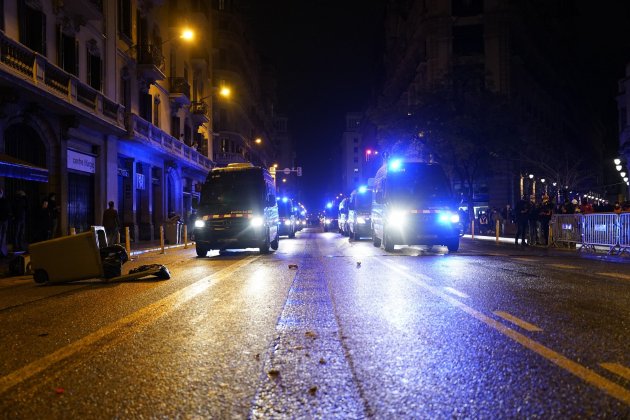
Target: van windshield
{"points": [[224, 192], [419, 184], [363, 201]]}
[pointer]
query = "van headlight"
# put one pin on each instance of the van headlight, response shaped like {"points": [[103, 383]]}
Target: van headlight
{"points": [[287, 222], [448, 218], [397, 217], [199, 223], [361, 220], [256, 221]]}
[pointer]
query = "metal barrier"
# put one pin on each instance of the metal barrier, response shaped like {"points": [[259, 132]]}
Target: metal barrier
{"points": [[624, 233], [601, 229], [566, 229]]}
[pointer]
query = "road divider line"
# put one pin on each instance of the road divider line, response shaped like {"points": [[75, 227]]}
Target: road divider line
{"points": [[564, 266], [456, 292], [617, 369], [141, 317], [615, 275], [609, 387], [517, 321]]}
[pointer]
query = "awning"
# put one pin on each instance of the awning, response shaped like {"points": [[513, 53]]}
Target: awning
{"points": [[11, 167]]}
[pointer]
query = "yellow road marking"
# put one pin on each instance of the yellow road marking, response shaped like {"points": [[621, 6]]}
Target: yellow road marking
{"points": [[524, 259], [564, 266], [617, 369], [142, 317], [517, 321], [587, 375], [456, 292], [615, 275]]}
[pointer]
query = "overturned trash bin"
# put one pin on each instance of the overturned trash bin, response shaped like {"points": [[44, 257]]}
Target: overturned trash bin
{"points": [[84, 256]]}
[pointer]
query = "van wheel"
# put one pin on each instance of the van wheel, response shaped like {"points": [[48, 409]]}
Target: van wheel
{"points": [[453, 245], [202, 251], [387, 243], [264, 249], [292, 234], [376, 241], [274, 243], [40, 276]]}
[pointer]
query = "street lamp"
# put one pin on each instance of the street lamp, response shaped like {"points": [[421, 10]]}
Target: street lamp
{"points": [[257, 140]]}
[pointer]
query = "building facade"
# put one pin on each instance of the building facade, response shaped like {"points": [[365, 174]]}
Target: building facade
{"points": [[623, 166], [108, 101], [514, 49]]}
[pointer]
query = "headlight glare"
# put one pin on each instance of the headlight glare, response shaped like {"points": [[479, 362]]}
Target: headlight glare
{"points": [[397, 217], [200, 223], [361, 220], [257, 221]]}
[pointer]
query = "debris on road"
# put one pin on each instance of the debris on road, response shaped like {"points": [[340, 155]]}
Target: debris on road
{"points": [[293, 266]]}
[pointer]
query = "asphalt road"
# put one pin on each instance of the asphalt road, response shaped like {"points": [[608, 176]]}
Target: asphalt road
{"points": [[326, 328]]}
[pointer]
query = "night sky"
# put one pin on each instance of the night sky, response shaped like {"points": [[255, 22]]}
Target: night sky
{"points": [[327, 57], [328, 53]]}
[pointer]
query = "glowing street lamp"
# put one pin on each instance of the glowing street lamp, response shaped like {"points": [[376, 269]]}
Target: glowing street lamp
{"points": [[617, 161], [258, 140]]}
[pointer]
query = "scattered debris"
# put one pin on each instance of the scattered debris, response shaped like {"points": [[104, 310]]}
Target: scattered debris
{"points": [[310, 334], [257, 356], [42, 334], [293, 266], [299, 347], [312, 390], [273, 373], [358, 264], [322, 361], [59, 391]]}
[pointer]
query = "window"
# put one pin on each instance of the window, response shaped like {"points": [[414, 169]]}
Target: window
{"points": [[1, 15], [94, 71], [32, 28], [145, 105], [356, 150], [124, 17], [68, 50], [468, 40], [466, 7], [156, 112], [355, 140], [175, 127], [125, 90]]}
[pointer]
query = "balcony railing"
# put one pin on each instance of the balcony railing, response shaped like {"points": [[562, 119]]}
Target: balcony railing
{"points": [[33, 68], [225, 158], [179, 86], [138, 127]]}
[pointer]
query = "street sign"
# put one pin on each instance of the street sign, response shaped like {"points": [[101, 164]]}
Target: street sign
{"points": [[287, 171]]}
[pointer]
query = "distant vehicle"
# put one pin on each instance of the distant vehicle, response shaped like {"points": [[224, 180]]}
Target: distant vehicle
{"points": [[343, 217], [287, 217], [413, 205], [237, 209], [360, 213]]}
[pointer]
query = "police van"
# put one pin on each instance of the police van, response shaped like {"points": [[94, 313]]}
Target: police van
{"points": [[237, 209], [413, 205]]}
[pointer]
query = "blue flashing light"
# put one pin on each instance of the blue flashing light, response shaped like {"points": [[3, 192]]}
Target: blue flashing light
{"points": [[284, 199], [362, 189], [395, 165], [329, 205]]}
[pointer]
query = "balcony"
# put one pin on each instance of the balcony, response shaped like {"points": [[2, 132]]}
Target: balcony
{"points": [[179, 92], [150, 63], [170, 147], [53, 87], [199, 113]]}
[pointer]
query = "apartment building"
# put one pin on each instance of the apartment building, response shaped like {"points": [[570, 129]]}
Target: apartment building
{"points": [[111, 100]]}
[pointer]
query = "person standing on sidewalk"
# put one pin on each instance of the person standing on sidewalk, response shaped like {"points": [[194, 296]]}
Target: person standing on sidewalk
{"points": [[522, 217], [544, 217], [110, 223]]}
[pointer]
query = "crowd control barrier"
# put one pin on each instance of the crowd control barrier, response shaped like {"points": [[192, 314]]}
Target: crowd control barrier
{"points": [[566, 229], [608, 230]]}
